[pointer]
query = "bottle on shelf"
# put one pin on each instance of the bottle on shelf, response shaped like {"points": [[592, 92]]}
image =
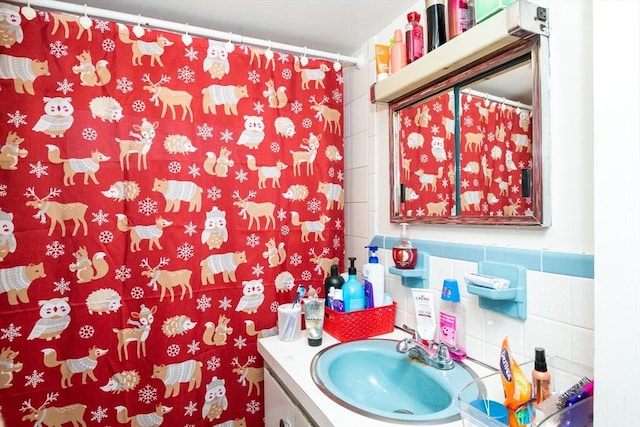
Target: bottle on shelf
{"points": [[460, 16], [436, 24], [414, 37], [405, 255], [398, 55], [352, 290]]}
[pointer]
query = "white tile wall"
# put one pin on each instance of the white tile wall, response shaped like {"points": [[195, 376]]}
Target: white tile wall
{"points": [[549, 321], [560, 308]]}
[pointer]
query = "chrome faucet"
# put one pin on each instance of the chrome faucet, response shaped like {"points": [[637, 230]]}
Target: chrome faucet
{"points": [[437, 357]]}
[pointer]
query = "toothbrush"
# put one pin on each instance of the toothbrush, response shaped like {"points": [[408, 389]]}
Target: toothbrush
{"points": [[288, 328], [299, 294]]}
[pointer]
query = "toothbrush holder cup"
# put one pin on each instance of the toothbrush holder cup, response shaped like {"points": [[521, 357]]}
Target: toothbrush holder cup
{"points": [[289, 322]]}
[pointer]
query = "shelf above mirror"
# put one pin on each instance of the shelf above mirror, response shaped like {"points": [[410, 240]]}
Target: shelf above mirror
{"points": [[518, 21]]}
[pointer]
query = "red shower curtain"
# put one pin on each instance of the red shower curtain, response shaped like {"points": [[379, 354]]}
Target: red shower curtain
{"points": [[157, 202], [494, 151]]}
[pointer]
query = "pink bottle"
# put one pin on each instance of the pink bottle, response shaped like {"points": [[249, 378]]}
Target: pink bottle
{"points": [[398, 57], [414, 36]]}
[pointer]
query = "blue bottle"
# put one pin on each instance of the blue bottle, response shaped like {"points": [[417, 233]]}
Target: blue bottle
{"points": [[352, 290]]}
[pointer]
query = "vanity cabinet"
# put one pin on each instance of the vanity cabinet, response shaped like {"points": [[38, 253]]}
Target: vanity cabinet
{"points": [[279, 408]]}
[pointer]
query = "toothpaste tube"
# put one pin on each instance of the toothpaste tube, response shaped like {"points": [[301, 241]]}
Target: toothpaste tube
{"points": [[519, 398], [486, 281]]}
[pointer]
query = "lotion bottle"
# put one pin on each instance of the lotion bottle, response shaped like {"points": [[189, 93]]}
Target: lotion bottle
{"points": [[352, 290], [398, 56], [452, 319], [373, 276]]}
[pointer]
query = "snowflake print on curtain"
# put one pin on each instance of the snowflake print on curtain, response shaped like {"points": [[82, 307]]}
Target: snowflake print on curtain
{"points": [[157, 202]]}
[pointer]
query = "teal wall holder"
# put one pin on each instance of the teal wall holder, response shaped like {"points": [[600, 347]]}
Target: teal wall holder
{"points": [[511, 301], [417, 277]]}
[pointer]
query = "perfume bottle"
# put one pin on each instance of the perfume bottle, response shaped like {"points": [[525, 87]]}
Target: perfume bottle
{"points": [[405, 256]]}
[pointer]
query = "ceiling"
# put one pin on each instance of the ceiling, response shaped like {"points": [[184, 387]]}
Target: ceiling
{"points": [[334, 26]]}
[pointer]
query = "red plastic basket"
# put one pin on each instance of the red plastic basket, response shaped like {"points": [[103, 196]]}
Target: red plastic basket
{"points": [[360, 324]]}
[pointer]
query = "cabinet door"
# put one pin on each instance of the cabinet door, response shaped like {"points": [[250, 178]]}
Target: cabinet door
{"points": [[280, 410]]}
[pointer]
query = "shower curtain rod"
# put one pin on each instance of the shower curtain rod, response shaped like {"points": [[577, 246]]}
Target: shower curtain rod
{"points": [[188, 29], [497, 99]]}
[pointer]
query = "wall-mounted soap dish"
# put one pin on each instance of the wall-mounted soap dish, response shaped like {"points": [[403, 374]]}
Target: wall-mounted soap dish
{"points": [[417, 277], [511, 301]]}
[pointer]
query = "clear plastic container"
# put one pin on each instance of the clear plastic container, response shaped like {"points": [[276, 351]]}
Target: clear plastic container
{"points": [[564, 374]]}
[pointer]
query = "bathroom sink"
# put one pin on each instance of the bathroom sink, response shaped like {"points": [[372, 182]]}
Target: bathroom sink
{"points": [[371, 378]]}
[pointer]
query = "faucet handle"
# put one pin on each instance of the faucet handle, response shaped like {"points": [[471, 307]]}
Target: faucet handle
{"points": [[443, 352], [416, 335]]}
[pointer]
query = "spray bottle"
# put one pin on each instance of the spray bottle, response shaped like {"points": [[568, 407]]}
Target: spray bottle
{"points": [[373, 279]]}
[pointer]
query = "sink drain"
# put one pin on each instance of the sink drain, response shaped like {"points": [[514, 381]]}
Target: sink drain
{"points": [[403, 411]]}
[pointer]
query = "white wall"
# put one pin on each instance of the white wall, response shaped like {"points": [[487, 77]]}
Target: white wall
{"points": [[561, 308], [616, 82]]}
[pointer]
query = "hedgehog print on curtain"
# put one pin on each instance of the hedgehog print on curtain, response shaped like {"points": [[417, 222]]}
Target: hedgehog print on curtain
{"points": [[157, 203]]}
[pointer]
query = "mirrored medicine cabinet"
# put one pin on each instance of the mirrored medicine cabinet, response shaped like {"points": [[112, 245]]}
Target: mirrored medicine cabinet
{"points": [[472, 145]]}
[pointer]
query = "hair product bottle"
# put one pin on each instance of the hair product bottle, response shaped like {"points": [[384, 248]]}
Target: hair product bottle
{"points": [[398, 56], [460, 17], [436, 24], [352, 290], [414, 37], [334, 280], [541, 376]]}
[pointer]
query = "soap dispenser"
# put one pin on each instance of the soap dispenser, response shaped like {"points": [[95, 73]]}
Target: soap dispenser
{"points": [[405, 256], [352, 290]]}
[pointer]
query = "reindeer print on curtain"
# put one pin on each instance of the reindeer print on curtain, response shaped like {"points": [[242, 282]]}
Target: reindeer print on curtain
{"points": [[158, 201], [494, 149]]}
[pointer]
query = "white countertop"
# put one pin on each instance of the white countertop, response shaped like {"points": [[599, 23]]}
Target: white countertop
{"points": [[291, 361]]}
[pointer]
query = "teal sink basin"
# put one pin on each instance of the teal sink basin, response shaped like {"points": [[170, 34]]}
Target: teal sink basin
{"points": [[371, 378]]}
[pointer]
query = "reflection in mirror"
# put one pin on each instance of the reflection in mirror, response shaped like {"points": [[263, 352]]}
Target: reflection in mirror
{"points": [[469, 148]]}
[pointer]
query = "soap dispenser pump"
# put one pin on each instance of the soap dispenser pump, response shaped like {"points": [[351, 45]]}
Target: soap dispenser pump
{"points": [[405, 256], [352, 290], [373, 279]]}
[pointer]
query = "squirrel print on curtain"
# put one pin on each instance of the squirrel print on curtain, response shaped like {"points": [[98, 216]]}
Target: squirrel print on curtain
{"points": [[495, 147], [159, 201]]}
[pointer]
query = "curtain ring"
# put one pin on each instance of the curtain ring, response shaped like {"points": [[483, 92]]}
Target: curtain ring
{"points": [[186, 38], [27, 11], [268, 53], [229, 44], [138, 30], [337, 66], [84, 21], [304, 61]]}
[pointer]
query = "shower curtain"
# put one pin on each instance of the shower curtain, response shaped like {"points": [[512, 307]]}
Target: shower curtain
{"points": [[494, 154], [158, 200]]}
